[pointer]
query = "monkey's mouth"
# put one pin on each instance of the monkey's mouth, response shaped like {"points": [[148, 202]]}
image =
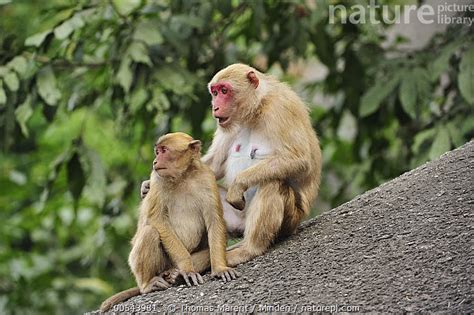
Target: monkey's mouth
{"points": [[222, 120]]}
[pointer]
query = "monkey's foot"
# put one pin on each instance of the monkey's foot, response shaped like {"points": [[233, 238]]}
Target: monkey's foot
{"points": [[170, 275], [195, 277], [156, 284], [227, 274], [238, 256]]}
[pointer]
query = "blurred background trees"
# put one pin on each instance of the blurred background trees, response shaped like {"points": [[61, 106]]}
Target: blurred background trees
{"points": [[87, 86]]}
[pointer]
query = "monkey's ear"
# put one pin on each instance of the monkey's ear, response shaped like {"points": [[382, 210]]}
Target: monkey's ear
{"points": [[252, 77], [195, 145]]}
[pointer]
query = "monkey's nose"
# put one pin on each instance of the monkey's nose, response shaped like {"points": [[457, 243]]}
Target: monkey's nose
{"points": [[154, 163], [216, 109]]}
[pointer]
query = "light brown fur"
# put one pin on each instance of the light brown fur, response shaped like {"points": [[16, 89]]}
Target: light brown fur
{"points": [[287, 179], [181, 230]]}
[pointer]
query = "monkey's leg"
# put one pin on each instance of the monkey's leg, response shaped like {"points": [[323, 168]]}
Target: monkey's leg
{"points": [[262, 225], [293, 211], [147, 260], [201, 260]]}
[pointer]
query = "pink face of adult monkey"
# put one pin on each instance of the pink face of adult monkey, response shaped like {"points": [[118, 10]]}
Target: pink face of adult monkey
{"points": [[226, 103], [268, 154]]}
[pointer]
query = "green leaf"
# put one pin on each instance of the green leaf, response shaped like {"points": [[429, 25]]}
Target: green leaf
{"points": [[189, 20], [75, 176], [137, 99], [125, 7], [421, 138], [66, 28], [125, 75], [225, 7], [407, 94], [148, 32], [139, 53], [47, 88], [67, 215], [467, 125], [441, 63], [3, 71], [372, 99], [23, 114], [455, 134], [96, 189], [158, 101], [95, 285], [11, 80], [172, 78], [37, 39], [19, 64], [423, 87], [441, 143], [466, 76], [3, 96], [54, 169]]}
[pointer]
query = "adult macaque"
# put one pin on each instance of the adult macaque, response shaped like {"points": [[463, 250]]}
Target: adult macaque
{"points": [[268, 154], [181, 229]]}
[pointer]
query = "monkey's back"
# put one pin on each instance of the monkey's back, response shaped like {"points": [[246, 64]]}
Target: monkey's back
{"points": [[297, 135]]}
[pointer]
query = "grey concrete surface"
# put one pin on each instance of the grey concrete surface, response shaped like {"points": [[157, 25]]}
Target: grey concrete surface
{"points": [[406, 246]]}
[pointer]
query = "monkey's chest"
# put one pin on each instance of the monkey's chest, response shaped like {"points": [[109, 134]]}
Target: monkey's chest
{"points": [[248, 149], [188, 223]]}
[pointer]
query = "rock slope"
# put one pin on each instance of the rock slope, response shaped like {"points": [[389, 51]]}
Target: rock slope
{"points": [[406, 246]]}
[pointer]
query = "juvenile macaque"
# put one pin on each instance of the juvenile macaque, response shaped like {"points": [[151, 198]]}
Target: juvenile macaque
{"points": [[268, 155], [181, 229]]}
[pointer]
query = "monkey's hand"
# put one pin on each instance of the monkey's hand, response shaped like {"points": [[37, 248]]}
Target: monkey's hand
{"points": [[196, 278], [235, 196], [145, 188], [227, 274]]}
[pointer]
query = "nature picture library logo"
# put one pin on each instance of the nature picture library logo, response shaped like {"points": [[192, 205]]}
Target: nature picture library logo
{"points": [[444, 13]]}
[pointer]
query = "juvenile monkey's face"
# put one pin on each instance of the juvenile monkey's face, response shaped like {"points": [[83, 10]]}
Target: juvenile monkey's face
{"points": [[163, 163], [169, 162], [223, 104], [174, 154]]}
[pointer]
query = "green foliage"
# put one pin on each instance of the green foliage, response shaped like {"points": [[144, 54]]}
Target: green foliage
{"points": [[466, 76], [87, 86]]}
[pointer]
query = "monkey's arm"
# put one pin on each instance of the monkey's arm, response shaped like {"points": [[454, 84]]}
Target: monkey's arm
{"points": [[217, 168], [216, 234], [272, 168], [216, 156], [172, 245], [217, 239]]}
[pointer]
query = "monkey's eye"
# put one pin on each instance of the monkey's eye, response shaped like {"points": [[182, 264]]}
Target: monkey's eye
{"points": [[224, 90], [214, 92], [161, 150]]}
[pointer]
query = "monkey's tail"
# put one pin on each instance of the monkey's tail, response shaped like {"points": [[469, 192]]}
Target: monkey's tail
{"points": [[118, 298]]}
